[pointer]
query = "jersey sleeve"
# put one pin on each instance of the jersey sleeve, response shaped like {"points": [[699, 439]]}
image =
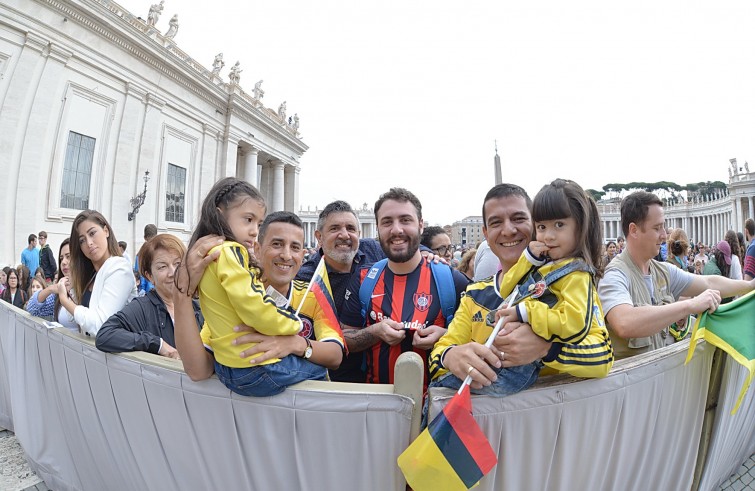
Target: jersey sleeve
{"points": [[326, 325], [459, 332], [516, 274], [247, 296], [569, 320], [591, 358]]}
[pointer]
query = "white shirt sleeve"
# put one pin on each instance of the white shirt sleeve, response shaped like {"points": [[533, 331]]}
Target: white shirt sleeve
{"points": [[736, 268], [486, 264], [613, 290], [113, 288]]}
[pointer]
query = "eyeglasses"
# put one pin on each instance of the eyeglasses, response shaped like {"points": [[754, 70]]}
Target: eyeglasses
{"points": [[443, 250]]}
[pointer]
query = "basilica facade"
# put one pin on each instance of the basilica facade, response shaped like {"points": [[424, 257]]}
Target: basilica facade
{"points": [[97, 107]]}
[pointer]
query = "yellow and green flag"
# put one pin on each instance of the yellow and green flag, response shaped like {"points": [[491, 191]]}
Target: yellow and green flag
{"points": [[732, 328]]}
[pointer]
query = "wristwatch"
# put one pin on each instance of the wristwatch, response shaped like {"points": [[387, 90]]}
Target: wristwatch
{"points": [[308, 350]]}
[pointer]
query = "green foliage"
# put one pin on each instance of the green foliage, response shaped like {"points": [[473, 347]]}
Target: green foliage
{"points": [[654, 187], [596, 195]]}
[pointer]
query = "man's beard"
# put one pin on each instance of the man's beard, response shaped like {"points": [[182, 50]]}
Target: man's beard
{"points": [[341, 257], [411, 250]]}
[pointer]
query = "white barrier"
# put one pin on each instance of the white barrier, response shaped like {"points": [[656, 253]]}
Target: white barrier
{"points": [[638, 428], [89, 420], [733, 438]]}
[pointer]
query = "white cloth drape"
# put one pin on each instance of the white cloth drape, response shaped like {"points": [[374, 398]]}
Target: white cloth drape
{"points": [[89, 420], [733, 439]]}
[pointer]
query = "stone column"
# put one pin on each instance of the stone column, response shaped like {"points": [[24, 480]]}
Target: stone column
{"points": [[292, 188], [208, 167], [127, 177], [24, 121], [149, 157], [278, 198], [250, 166], [231, 155], [751, 206], [708, 229]]}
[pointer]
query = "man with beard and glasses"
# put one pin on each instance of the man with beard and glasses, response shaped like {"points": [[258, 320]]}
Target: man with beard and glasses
{"points": [[405, 308]]}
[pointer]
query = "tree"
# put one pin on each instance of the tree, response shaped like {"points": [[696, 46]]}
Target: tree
{"points": [[596, 195]]}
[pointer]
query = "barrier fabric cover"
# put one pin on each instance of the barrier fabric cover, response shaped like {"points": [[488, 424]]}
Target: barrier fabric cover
{"points": [[89, 420]]}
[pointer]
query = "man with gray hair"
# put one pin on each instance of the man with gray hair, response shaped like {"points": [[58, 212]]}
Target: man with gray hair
{"points": [[337, 235]]}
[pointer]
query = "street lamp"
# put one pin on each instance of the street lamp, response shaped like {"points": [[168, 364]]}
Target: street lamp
{"points": [[138, 200]]}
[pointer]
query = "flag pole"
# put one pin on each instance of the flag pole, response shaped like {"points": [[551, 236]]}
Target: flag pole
{"points": [[321, 264], [509, 302]]}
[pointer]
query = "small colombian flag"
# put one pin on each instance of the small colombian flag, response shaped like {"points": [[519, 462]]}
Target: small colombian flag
{"points": [[320, 286], [451, 453]]}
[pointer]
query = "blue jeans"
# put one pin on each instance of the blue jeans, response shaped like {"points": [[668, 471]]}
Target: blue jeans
{"points": [[509, 381], [268, 380]]}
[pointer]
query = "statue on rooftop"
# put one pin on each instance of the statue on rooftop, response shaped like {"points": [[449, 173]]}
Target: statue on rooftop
{"points": [[154, 13], [258, 92], [747, 167], [235, 75], [282, 111], [218, 64], [296, 122], [173, 29]]}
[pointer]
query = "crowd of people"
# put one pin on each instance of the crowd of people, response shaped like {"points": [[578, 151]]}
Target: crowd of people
{"points": [[250, 303]]}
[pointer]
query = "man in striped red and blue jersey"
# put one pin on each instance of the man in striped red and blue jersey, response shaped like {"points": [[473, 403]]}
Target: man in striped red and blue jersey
{"points": [[404, 311]]}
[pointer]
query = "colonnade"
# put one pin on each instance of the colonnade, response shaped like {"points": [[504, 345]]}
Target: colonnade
{"points": [[278, 181], [705, 222]]}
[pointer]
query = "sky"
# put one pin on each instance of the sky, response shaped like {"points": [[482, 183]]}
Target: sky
{"points": [[414, 94]]}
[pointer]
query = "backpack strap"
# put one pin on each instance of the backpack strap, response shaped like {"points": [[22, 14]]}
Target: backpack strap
{"points": [[442, 276], [535, 282], [444, 283], [368, 286]]}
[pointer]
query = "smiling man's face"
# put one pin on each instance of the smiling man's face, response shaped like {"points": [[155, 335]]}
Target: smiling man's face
{"points": [[280, 254], [508, 228]]}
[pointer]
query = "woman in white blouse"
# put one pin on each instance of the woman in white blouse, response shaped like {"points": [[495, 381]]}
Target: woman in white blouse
{"points": [[736, 265], [102, 280]]}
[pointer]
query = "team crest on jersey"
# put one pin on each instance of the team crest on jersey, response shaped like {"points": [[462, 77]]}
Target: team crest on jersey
{"points": [[306, 328], [422, 301], [537, 289]]}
